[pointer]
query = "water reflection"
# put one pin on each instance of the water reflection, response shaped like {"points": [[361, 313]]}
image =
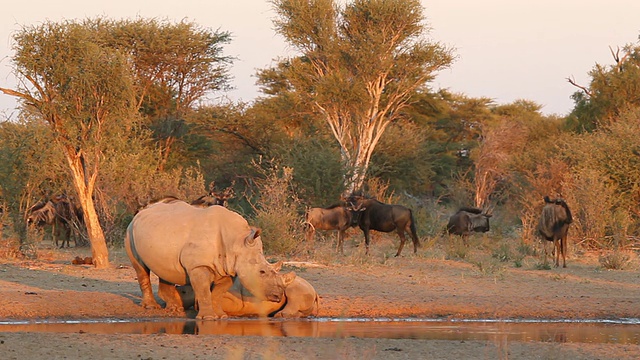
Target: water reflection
{"points": [[576, 332]]}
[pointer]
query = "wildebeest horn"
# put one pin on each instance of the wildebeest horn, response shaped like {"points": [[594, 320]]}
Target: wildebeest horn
{"points": [[250, 240]]}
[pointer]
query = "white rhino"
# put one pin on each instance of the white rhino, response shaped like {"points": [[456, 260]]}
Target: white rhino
{"points": [[300, 300], [183, 244]]}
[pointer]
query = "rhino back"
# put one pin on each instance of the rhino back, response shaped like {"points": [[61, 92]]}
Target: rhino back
{"points": [[163, 233]]}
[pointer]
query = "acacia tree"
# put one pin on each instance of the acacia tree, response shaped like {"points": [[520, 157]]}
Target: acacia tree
{"points": [[613, 90], [92, 80], [359, 66], [175, 65], [85, 92]]}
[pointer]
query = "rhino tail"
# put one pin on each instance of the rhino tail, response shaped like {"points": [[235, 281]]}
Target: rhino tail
{"points": [[316, 306], [132, 246]]}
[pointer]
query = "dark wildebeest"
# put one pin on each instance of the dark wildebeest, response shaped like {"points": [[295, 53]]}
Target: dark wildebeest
{"points": [[58, 212], [215, 198], [378, 216], [335, 217], [554, 226], [468, 220]]}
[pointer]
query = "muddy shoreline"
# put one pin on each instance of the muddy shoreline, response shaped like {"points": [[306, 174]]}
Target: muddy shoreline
{"points": [[419, 287]]}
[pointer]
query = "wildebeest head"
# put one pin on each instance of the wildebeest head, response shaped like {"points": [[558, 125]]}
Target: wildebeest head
{"points": [[355, 207], [41, 214], [215, 197], [468, 220]]}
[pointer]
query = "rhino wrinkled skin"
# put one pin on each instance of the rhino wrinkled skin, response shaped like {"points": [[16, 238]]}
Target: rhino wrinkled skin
{"points": [[183, 245]]}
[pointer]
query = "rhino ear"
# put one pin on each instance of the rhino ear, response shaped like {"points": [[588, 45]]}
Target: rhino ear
{"points": [[250, 240], [277, 266], [288, 278]]}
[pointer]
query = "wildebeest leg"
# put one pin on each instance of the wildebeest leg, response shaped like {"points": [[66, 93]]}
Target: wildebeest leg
{"points": [[366, 240], [341, 241], [170, 295], [563, 246], [67, 232], [201, 278], [402, 240], [556, 248], [54, 234]]}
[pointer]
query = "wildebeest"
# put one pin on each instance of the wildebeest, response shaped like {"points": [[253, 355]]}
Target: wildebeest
{"points": [[215, 198], [60, 213], [335, 217], [375, 215], [554, 226], [467, 220]]}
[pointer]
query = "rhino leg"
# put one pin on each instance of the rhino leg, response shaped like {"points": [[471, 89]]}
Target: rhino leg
{"points": [[143, 274], [208, 302], [220, 288], [170, 295], [144, 280]]}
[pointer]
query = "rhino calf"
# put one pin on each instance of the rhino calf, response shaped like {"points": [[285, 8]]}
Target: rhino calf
{"points": [[300, 300]]}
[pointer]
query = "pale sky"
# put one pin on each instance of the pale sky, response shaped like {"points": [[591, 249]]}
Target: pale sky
{"points": [[507, 49]]}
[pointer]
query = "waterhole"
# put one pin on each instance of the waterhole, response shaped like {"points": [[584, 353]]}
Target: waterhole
{"points": [[619, 332]]}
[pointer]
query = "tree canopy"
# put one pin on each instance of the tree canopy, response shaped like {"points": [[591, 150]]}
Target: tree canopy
{"points": [[359, 66]]}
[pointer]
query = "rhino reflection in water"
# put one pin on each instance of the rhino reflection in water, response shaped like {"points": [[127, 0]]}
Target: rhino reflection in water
{"points": [[183, 244]]}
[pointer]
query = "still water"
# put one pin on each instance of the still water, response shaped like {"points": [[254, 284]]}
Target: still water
{"points": [[625, 331]]}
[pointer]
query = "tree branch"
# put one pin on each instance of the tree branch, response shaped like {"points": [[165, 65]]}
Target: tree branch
{"points": [[573, 82]]}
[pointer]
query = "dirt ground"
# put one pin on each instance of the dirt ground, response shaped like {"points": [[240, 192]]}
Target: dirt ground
{"points": [[425, 285]]}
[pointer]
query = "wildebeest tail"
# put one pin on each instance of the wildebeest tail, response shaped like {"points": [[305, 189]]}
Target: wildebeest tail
{"points": [[412, 226]]}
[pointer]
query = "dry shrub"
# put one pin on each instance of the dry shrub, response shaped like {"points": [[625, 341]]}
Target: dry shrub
{"points": [[10, 248], [455, 248], [116, 209], [616, 259], [277, 212], [590, 198], [379, 190]]}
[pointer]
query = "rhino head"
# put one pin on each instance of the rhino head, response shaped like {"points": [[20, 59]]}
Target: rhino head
{"points": [[263, 280]]}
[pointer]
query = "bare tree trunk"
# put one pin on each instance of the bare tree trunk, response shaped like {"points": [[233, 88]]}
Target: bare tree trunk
{"points": [[84, 188]]}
